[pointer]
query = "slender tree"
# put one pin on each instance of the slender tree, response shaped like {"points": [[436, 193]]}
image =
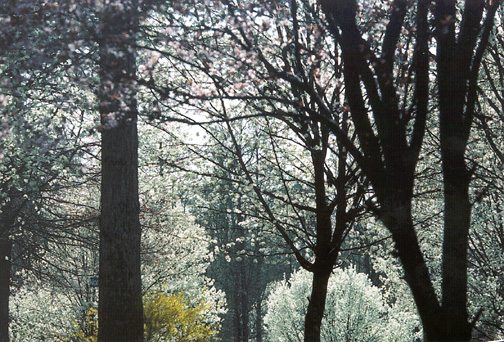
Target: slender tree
{"points": [[321, 223]]}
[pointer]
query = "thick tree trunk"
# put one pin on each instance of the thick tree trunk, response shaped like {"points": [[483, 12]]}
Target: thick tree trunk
{"points": [[399, 221], [457, 221], [316, 305], [120, 296]]}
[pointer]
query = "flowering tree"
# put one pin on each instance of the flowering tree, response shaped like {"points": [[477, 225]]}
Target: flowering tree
{"points": [[175, 257], [330, 180], [288, 60], [356, 310]]}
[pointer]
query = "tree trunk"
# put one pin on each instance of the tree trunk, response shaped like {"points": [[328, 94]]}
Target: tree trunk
{"points": [[244, 305], [5, 271], [120, 296], [237, 331], [316, 305], [399, 221], [258, 322], [457, 221], [7, 218]]}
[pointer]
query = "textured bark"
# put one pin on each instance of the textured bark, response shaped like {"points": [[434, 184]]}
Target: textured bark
{"points": [[7, 218], [120, 296], [244, 304]]}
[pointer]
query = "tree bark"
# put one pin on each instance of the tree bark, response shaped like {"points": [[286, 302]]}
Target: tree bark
{"points": [[5, 271], [244, 304], [120, 296], [7, 219], [316, 305], [398, 219], [258, 322], [457, 219]]}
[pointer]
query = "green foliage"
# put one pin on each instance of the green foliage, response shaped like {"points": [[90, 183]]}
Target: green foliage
{"points": [[174, 317]]}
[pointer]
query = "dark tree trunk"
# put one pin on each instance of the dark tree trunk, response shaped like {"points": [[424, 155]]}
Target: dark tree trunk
{"points": [[389, 156], [244, 304], [459, 56], [399, 221], [237, 321], [457, 214], [7, 219], [5, 271], [120, 296], [258, 322], [316, 305]]}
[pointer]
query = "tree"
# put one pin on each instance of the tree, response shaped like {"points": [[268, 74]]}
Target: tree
{"points": [[37, 151], [319, 225], [356, 310], [324, 223], [486, 152], [120, 302], [42, 142], [175, 256], [388, 95], [247, 254], [388, 155]]}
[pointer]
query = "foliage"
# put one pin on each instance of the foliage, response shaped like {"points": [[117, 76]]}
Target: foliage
{"points": [[89, 332], [273, 74], [167, 317], [356, 310], [40, 314], [175, 256], [174, 318]]}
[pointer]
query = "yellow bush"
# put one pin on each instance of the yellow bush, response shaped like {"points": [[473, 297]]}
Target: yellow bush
{"points": [[167, 318], [174, 318], [87, 331]]}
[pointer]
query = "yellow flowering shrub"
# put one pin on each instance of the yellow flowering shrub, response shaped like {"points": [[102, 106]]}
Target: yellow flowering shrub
{"points": [[174, 318], [167, 318], [87, 331]]}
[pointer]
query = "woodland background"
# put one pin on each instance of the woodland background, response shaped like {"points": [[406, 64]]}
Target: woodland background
{"points": [[251, 170]]}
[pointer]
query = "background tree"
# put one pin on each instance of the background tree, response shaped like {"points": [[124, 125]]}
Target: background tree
{"points": [[246, 252], [356, 310], [485, 244], [323, 223], [43, 143]]}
